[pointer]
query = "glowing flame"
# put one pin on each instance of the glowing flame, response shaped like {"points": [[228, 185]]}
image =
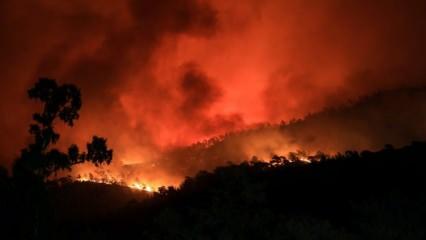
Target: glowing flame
{"points": [[141, 187], [135, 185], [134, 179]]}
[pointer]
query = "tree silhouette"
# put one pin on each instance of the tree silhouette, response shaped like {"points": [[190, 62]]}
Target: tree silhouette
{"points": [[39, 159]]}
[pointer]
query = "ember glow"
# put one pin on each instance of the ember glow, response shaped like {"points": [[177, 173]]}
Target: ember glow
{"points": [[142, 187], [157, 76], [133, 185]]}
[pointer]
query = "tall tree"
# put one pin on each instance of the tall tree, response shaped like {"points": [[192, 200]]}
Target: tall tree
{"points": [[60, 103]]}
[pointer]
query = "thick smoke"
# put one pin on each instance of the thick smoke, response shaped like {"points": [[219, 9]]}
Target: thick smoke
{"points": [[103, 47], [160, 74]]}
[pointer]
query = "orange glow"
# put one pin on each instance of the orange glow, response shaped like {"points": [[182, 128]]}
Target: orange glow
{"points": [[133, 185], [141, 187], [195, 69]]}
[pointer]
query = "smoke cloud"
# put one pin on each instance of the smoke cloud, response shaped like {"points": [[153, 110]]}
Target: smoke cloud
{"points": [[160, 75]]}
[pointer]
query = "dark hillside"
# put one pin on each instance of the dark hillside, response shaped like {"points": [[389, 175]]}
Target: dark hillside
{"points": [[86, 201], [367, 195]]}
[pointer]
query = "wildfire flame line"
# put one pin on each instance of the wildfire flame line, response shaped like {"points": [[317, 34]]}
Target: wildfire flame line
{"points": [[133, 185]]}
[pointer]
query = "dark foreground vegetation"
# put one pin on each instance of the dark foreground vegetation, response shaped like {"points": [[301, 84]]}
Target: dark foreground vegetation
{"points": [[354, 195], [367, 195]]}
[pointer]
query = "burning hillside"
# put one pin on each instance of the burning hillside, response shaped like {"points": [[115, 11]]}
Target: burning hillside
{"points": [[383, 118]]}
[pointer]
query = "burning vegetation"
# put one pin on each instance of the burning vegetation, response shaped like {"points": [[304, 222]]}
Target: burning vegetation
{"points": [[361, 125]]}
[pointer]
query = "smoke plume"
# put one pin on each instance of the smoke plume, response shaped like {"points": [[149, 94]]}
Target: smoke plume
{"points": [[160, 75]]}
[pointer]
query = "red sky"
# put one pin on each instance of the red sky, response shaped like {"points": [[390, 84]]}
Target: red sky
{"points": [[155, 74]]}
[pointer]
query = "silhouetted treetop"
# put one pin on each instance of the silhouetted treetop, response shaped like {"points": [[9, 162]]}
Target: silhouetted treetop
{"points": [[97, 152], [60, 102], [63, 101]]}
